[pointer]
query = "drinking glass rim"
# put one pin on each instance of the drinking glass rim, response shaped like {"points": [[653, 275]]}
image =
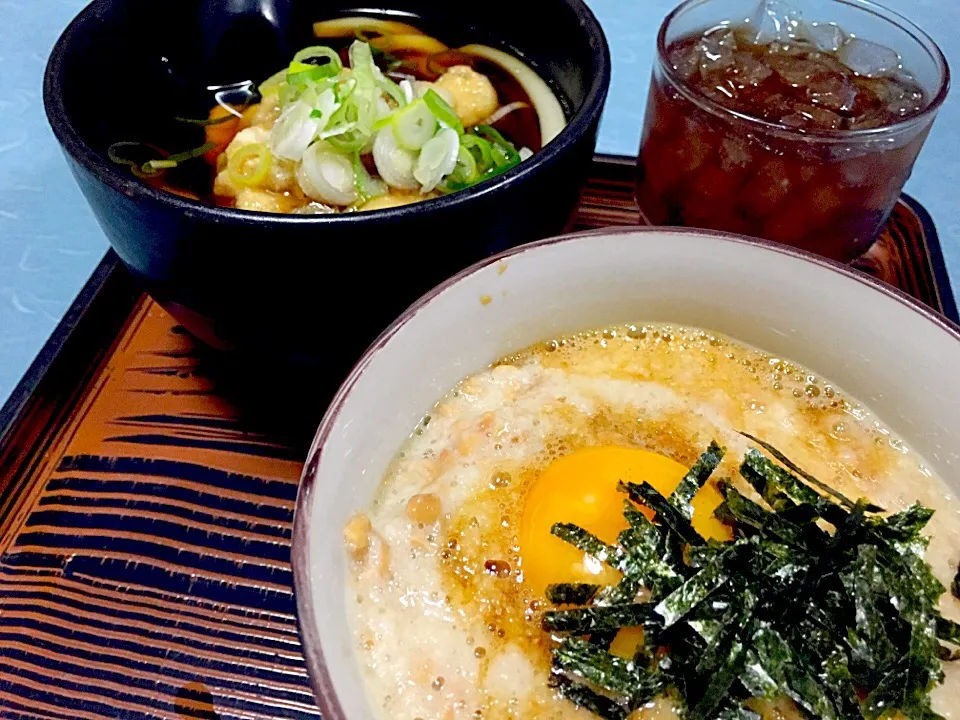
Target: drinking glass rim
{"points": [[705, 102]]}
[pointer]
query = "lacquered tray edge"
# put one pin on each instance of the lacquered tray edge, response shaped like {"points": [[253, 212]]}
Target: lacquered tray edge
{"points": [[937, 261], [74, 349], [61, 336]]}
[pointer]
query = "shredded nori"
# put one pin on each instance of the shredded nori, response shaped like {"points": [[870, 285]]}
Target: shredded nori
{"points": [[583, 659], [583, 540], [695, 479], [597, 618], [571, 593], [818, 598], [582, 696]]}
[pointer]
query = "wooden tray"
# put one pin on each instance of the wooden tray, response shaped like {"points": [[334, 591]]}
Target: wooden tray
{"points": [[145, 514]]}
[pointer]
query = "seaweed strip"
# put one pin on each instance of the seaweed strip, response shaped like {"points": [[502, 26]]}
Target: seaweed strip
{"points": [[646, 494], [906, 524], [571, 593], [843, 499], [722, 662], [695, 590], [584, 540], [582, 696], [695, 479], [596, 665], [585, 620], [755, 463], [869, 644], [642, 564], [737, 713], [948, 630], [776, 657]]}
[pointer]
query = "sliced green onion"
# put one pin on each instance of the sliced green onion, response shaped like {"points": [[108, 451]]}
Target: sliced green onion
{"points": [[392, 90], [273, 82], [293, 132], [116, 157], [288, 94], [383, 122], [237, 167], [414, 125], [503, 151], [193, 153], [337, 131], [324, 108], [394, 164], [327, 176], [501, 157], [333, 66], [361, 63], [345, 88], [348, 115], [437, 159], [298, 67], [504, 154], [152, 168], [350, 141], [302, 75], [157, 165], [464, 174], [208, 121], [442, 110], [367, 186], [480, 149], [450, 185], [466, 169]]}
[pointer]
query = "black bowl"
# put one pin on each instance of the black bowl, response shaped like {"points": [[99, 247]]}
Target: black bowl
{"points": [[312, 289]]}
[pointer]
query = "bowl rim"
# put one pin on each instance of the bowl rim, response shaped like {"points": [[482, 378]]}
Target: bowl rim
{"points": [[320, 681], [109, 174]]}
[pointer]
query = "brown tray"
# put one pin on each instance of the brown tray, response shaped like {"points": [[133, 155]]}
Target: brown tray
{"points": [[145, 517]]}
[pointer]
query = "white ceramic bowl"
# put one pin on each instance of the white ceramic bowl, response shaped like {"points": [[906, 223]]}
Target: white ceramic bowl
{"points": [[887, 350]]}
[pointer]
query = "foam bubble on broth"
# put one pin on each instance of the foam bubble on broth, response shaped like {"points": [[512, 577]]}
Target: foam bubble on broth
{"points": [[455, 604]]}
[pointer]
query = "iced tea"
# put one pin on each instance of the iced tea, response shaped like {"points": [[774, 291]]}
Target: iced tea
{"points": [[781, 129]]}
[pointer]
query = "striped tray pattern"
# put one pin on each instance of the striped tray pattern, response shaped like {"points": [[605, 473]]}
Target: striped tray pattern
{"points": [[151, 576], [145, 520]]}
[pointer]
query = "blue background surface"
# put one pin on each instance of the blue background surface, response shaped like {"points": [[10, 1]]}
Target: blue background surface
{"points": [[50, 243]]}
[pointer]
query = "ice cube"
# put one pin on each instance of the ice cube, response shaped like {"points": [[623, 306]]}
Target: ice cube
{"points": [[776, 106], [901, 95], [868, 58], [790, 48], [685, 59], [833, 91], [776, 20], [734, 153], [873, 117], [750, 71], [828, 37], [720, 90], [717, 48], [812, 117], [796, 71]]}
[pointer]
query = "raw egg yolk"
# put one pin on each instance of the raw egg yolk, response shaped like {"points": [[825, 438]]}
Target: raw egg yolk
{"points": [[581, 488]]}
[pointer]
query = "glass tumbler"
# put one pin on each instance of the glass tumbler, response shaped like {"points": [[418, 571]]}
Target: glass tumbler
{"points": [[703, 163]]}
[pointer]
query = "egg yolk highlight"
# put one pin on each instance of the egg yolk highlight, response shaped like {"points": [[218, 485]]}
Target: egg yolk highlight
{"points": [[581, 488]]}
